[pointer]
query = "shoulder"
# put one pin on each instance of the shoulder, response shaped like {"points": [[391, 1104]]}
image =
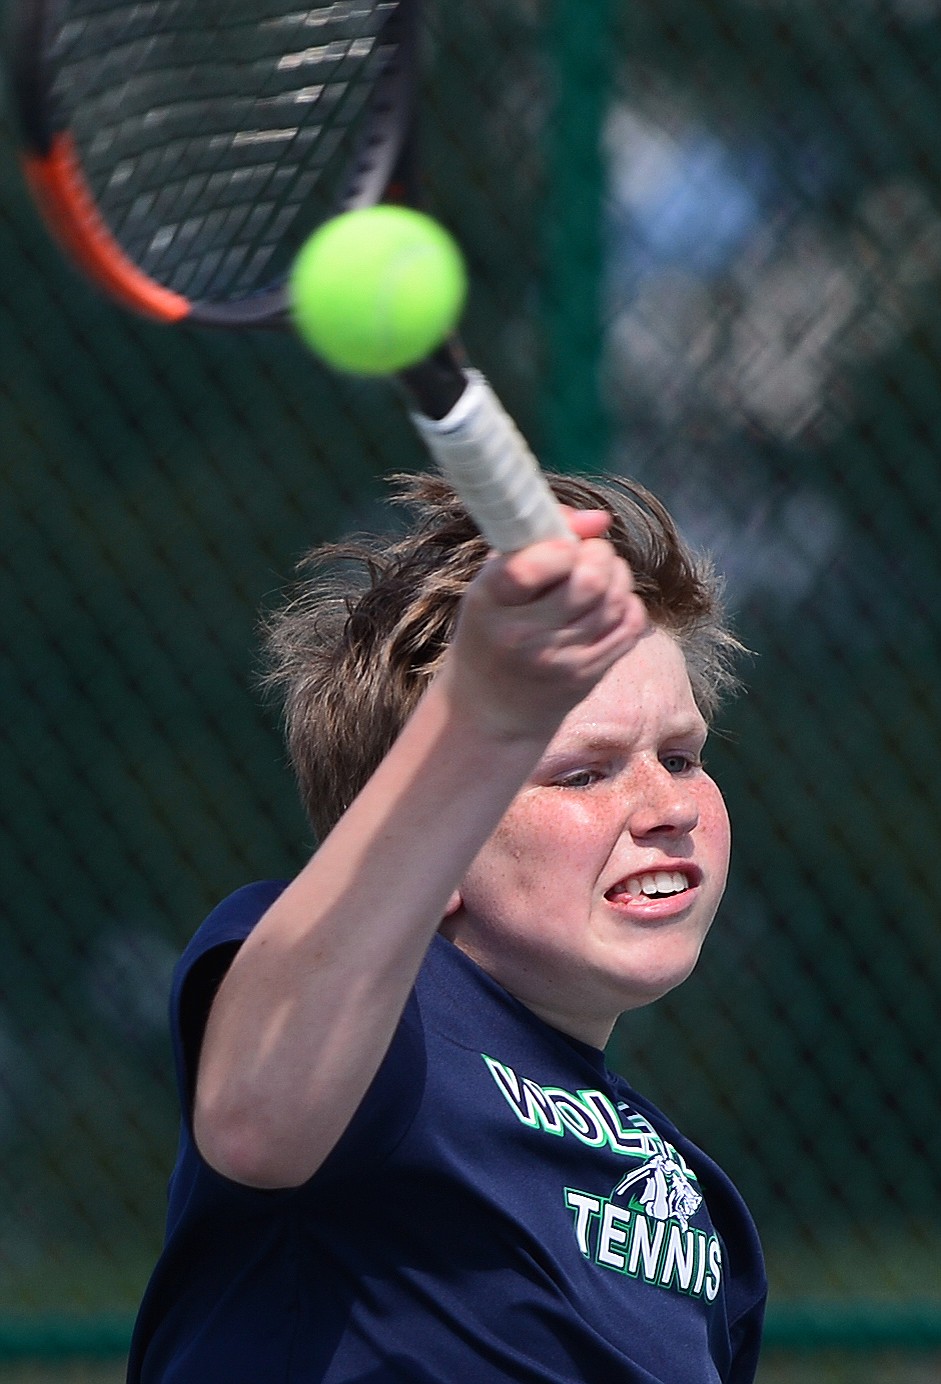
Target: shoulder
{"points": [[231, 920], [201, 967], [390, 1102]]}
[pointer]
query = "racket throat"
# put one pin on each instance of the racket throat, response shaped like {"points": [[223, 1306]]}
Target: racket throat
{"points": [[435, 384]]}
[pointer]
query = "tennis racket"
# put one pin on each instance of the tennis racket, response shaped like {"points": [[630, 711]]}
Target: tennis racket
{"points": [[182, 151]]}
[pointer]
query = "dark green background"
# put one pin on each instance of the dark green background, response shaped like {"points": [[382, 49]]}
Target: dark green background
{"points": [[751, 328]]}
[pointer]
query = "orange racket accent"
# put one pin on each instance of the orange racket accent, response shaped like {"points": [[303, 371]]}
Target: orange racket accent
{"points": [[60, 189]]}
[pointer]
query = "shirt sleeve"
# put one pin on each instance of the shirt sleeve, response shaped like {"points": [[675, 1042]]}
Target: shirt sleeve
{"points": [[392, 1100], [199, 973], [745, 1336]]}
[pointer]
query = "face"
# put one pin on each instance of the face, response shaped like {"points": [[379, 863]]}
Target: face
{"points": [[595, 893]]}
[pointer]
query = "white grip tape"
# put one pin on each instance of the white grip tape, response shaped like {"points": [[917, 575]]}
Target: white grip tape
{"points": [[481, 451]]}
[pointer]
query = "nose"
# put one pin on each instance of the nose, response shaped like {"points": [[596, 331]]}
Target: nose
{"points": [[666, 805]]}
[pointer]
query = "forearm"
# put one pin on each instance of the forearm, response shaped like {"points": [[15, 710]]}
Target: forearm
{"points": [[308, 1008]]}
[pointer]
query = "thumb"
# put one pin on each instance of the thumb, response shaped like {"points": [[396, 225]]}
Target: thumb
{"points": [[587, 523]]}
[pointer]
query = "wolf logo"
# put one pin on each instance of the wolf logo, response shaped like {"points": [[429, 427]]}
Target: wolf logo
{"points": [[663, 1190]]}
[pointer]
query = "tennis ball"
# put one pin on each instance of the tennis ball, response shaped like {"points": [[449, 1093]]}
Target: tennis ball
{"points": [[376, 289]]}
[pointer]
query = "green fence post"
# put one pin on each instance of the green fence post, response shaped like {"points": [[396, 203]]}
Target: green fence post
{"points": [[581, 55]]}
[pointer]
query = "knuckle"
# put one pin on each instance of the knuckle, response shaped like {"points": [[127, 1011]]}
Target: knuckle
{"points": [[509, 638]]}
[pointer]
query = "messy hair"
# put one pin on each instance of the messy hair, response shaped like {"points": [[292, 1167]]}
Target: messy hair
{"points": [[370, 618]]}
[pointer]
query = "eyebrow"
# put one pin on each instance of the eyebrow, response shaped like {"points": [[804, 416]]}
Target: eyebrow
{"points": [[697, 728], [603, 742]]}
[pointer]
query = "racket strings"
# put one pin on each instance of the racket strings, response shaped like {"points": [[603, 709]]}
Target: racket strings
{"points": [[207, 132]]}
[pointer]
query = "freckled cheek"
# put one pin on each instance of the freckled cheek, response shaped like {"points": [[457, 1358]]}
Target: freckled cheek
{"points": [[714, 830], [535, 850], [546, 829]]}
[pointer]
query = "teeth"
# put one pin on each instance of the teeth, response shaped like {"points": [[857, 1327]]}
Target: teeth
{"points": [[657, 882]]}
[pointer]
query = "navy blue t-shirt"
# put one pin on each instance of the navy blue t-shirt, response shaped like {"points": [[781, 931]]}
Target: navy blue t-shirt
{"points": [[501, 1208]]}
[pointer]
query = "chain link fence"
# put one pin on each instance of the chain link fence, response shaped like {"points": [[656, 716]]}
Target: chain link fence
{"points": [[705, 240]]}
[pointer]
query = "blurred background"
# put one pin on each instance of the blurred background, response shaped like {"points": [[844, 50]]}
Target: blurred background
{"points": [[705, 241]]}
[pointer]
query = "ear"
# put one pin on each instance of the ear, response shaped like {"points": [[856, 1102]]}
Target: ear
{"points": [[453, 904]]}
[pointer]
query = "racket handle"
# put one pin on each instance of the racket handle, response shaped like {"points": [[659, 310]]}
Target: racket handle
{"points": [[480, 450]]}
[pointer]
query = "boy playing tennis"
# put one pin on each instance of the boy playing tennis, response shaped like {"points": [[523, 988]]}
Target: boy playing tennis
{"points": [[402, 1156]]}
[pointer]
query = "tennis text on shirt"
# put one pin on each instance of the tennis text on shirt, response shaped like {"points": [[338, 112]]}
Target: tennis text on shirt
{"points": [[641, 1228]]}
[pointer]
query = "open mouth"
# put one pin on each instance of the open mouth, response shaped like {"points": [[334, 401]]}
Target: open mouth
{"points": [[655, 884]]}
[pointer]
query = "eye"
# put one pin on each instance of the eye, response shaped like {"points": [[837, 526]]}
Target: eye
{"points": [[578, 778], [681, 762]]}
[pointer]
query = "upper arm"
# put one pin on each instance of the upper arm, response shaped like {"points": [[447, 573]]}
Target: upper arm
{"points": [[196, 993], [201, 970], [378, 1123]]}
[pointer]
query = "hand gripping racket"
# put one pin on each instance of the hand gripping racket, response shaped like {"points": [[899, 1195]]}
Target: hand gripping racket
{"points": [[182, 151]]}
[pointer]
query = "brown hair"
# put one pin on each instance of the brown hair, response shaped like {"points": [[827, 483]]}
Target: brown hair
{"points": [[370, 618]]}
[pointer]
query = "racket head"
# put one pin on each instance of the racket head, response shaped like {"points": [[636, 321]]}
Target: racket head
{"points": [[182, 150]]}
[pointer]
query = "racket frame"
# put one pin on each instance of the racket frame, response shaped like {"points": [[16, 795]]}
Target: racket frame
{"points": [[466, 429], [53, 169]]}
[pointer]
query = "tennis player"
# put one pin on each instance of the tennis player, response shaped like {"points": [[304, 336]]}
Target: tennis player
{"points": [[403, 1157]]}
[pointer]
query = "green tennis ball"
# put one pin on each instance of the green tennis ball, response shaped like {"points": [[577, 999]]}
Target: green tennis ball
{"points": [[377, 289]]}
